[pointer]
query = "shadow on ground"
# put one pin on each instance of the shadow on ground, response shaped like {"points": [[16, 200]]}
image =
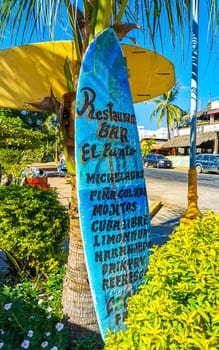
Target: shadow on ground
{"points": [[163, 224]]}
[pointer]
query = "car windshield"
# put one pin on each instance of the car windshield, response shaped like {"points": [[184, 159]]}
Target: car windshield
{"points": [[160, 156]]}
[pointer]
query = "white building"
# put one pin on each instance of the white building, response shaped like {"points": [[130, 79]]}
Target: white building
{"points": [[160, 134]]}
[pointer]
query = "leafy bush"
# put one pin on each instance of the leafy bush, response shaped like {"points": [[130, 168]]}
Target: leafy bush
{"points": [[33, 227], [31, 315], [177, 307], [11, 161]]}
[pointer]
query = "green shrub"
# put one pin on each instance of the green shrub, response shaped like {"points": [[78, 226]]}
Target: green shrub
{"points": [[11, 161], [178, 306], [31, 315], [33, 227]]}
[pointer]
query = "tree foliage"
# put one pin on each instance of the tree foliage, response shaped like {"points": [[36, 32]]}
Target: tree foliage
{"points": [[14, 135], [24, 137]]}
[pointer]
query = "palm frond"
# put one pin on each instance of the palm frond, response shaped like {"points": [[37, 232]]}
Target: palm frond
{"points": [[160, 19], [24, 18], [156, 111], [77, 23], [122, 10]]}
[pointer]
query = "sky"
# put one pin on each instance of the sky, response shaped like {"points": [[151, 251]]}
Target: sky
{"points": [[208, 84], [208, 81]]}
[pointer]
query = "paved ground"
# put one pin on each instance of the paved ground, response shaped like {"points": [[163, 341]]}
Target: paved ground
{"points": [[63, 189], [164, 222]]}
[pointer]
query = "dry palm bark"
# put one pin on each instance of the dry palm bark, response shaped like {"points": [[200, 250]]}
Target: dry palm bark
{"points": [[77, 298]]}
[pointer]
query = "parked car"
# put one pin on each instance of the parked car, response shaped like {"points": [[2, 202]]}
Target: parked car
{"points": [[157, 160], [207, 162]]}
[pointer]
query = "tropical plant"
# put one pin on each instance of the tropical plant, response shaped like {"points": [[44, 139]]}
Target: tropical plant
{"points": [[165, 108], [83, 26]]}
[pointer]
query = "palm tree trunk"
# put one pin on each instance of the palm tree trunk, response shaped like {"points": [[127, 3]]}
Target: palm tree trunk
{"points": [[77, 300], [168, 130]]}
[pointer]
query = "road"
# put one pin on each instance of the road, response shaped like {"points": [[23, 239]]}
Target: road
{"points": [[171, 187]]}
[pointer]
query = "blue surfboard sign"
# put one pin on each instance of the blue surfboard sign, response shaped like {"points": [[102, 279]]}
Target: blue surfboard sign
{"points": [[113, 204]]}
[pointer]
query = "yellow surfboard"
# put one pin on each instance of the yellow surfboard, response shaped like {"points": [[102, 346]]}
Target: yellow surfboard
{"points": [[29, 72]]}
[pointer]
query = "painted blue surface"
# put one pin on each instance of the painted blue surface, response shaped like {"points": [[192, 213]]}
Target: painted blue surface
{"points": [[113, 203]]}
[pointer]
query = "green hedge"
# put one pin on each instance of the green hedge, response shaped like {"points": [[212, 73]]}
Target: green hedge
{"points": [[178, 306], [33, 227]]}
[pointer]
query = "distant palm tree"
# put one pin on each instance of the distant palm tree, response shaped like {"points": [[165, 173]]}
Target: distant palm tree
{"points": [[166, 109], [146, 146]]}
